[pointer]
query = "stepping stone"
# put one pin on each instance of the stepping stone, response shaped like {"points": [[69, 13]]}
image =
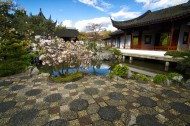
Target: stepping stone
{"points": [[17, 87], [171, 94], [71, 86], [120, 85], [147, 120], [99, 82], [78, 105], [57, 122], [91, 91], [145, 101], [5, 106], [33, 92], [116, 96], [180, 107], [5, 83], [109, 113], [53, 98], [24, 117]]}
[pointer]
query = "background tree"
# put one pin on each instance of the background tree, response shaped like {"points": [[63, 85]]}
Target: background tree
{"points": [[94, 36]]}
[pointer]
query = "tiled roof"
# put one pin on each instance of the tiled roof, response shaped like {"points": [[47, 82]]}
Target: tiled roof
{"points": [[168, 14], [117, 32], [70, 33]]}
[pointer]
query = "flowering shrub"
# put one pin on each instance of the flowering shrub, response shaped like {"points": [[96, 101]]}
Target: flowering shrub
{"points": [[57, 52]]}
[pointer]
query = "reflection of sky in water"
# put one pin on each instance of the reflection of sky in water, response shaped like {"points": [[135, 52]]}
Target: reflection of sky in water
{"points": [[103, 70]]}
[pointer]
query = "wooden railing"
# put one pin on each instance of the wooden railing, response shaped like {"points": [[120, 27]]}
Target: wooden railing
{"points": [[159, 48], [163, 48]]}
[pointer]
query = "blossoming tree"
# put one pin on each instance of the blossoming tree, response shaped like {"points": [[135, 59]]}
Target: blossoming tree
{"points": [[56, 52]]}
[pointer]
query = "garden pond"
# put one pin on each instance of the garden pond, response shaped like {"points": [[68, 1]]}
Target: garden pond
{"points": [[100, 68]]}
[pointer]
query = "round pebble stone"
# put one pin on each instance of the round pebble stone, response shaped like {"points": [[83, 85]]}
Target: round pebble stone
{"points": [[53, 97], [180, 107], [147, 120], [99, 82], [171, 94], [33, 92], [23, 117], [91, 91], [17, 87], [109, 113], [5, 106], [71, 86], [5, 83], [57, 122], [119, 85], [25, 77], [78, 105], [116, 96], [145, 101]]}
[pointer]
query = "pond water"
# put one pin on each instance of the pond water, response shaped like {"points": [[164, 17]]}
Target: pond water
{"points": [[99, 70], [147, 67]]}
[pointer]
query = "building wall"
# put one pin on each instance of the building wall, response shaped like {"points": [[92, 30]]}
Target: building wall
{"points": [[152, 33], [128, 41], [183, 28], [121, 42]]}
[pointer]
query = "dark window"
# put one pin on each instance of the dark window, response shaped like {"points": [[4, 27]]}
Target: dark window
{"points": [[185, 37], [147, 39]]}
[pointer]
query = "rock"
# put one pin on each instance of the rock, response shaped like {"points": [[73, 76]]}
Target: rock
{"points": [[104, 55], [129, 74], [178, 79], [45, 74], [168, 82], [118, 78], [29, 70], [188, 81], [187, 84], [35, 71]]}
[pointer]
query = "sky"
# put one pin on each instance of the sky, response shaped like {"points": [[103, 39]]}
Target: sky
{"points": [[79, 13]]}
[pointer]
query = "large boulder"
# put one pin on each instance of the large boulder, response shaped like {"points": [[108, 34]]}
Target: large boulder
{"points": [[129, 74], [187, 84], [34, 71]]}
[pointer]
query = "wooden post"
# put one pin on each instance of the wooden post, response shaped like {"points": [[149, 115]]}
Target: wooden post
{"points": [[140, 38], [132, 35], [171, 34], [125, 39], [188, 42]]}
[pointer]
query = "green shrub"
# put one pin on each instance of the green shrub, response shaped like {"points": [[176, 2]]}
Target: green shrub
{"points": [[107, 47], [175, 53], [69, 78], [159, 78], [111, 74], [116, 52], [10, 67], [134, 76], [171, 75], [142, 77], [121, 71], [184, 54]]}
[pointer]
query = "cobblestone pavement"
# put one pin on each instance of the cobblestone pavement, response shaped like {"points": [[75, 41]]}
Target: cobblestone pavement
{"points": [[97, 101]]}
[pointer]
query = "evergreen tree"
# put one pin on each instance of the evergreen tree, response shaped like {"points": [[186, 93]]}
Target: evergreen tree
{"points": [[13, 44]]}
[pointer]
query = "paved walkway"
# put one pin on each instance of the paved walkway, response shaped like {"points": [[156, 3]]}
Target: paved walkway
{"points": [[97, 101]]}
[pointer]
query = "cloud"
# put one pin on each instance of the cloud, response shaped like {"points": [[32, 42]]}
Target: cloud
{"points": [[98, 4], [104, 21], [67, 23], [124, 13], [154, 4]]}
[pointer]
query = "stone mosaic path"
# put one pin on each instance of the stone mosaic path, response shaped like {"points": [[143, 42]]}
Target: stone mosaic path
{"points": [[96, 101]]}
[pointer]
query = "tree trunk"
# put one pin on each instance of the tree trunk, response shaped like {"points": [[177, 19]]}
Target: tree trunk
{"points": [[57, 70]]}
